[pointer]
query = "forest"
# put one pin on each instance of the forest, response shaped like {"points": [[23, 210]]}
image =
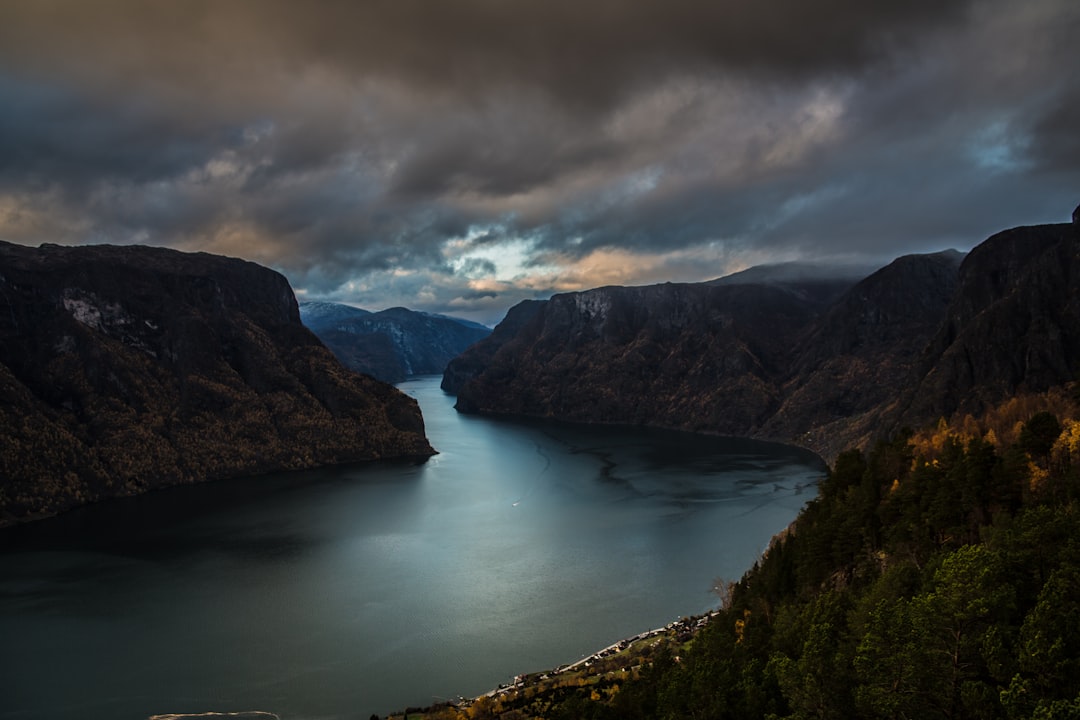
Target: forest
{"points": [[936, 575]]}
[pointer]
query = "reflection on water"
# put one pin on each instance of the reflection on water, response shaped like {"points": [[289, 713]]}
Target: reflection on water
{"points": [[356, 590]]}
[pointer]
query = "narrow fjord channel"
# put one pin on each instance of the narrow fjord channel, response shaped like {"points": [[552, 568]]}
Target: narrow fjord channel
{"points": [[344, 592]]}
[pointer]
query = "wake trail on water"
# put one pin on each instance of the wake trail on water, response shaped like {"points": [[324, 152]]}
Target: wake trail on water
{"points": [[531, 486]]}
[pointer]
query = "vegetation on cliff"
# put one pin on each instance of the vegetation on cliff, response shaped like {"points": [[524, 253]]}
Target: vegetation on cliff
{"points": [[935, 576], [128, 368]]}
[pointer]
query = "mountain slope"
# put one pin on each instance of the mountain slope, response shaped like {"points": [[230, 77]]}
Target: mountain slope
{"points": [[862, 351], [802, 362], [128, 368], [1013, 326], [701, 357], [392, 344]]}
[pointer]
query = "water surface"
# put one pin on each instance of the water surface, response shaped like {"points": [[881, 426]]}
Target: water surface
{"points": [[364, 589]]}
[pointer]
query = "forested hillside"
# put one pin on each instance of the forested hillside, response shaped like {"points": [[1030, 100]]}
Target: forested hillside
{"points": [[935, 576]]}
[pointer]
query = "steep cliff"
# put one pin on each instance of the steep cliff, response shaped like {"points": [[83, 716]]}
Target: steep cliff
{"points": [[862, 352], [129, 368], [1012, 326], [927, 336], [703, 357], [479, 356]]}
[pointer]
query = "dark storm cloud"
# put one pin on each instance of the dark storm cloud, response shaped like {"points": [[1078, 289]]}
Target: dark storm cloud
{"points": [[582, 53], [1056, 134], [457, 156], [503, 152], [52, 133], [479, 294]]}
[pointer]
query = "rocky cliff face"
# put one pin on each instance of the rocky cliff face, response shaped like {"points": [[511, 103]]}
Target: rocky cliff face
{"points": [[1012, 326], [393, 344], [479, 356], [925, 337], [861, 353], [129, 368], [703, 357], [805, 359]]}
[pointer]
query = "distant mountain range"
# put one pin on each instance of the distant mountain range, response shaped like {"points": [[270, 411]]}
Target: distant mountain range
{"points": [[124, 369], [393, 344], [825, 360]]}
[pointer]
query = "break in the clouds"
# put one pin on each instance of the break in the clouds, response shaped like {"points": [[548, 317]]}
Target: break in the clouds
{"points": [[460, 156]]}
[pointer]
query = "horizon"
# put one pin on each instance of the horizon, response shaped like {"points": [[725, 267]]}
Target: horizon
{"points": [[863, 270], [460, 158]]}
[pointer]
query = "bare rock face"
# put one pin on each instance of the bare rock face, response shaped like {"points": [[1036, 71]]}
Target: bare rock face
{"points": [[129, 368]]}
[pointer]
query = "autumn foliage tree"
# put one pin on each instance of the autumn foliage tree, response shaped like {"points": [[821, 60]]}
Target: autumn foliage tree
{"points": [[935, 576]]}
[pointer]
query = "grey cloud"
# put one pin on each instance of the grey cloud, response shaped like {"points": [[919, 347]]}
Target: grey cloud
{"points": [[55, 134], [1056, 134], [479, 294], [502, 153], [350, 141], [477, 267], [585, 54]]}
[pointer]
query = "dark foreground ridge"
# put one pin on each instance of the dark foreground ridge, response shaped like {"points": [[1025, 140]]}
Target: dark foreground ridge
{"points": [[124, 369]]}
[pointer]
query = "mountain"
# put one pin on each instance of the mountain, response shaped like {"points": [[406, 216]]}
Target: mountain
{"points": [[794, 356], [703, 357], [322, 315], [392, 344], [1013, 326], [129, 368], [476, 358], [861, 352]]}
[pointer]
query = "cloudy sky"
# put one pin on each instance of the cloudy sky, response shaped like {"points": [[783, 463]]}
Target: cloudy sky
{"points": [[461, 155]]}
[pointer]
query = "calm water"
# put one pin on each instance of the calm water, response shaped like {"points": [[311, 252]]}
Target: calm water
{"points": [[341, 593]]}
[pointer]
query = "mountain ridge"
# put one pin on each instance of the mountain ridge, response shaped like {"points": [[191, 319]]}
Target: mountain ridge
{"points": [[828, 367]]}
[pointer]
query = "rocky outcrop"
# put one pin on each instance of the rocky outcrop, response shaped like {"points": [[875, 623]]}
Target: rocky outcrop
{"points": [[129, 368], [392, 344]]}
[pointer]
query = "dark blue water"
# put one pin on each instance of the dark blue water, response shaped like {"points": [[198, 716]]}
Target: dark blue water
{"points": [[346, 592]]}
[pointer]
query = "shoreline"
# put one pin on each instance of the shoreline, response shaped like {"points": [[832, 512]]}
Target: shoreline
{"points": [[678, 631]]}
